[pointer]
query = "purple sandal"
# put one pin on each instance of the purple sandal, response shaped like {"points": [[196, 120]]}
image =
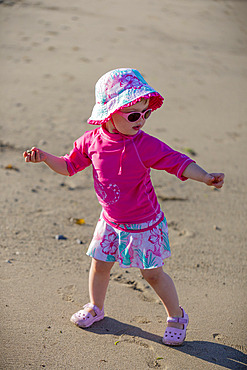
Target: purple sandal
{"points": [[84, 319], [174, 336]]}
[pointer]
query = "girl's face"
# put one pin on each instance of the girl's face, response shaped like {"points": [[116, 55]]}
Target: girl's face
{"points": [[123, 125]]}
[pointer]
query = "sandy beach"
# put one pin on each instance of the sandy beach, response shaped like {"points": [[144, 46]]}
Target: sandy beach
{"points": [[51, 55]]}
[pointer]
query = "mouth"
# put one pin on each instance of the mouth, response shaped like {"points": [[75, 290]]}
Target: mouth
{"points": [[138, 127]]}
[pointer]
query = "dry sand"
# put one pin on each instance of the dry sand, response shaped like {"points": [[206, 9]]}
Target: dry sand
{"points": [[52, 53]]}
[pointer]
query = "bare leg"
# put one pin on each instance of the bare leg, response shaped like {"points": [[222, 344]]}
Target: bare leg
{"points": [[165, 288], [99, 277]]}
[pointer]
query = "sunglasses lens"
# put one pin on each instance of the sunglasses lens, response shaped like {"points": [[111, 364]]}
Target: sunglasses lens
{"points": [[133, 117], [147, 113]]}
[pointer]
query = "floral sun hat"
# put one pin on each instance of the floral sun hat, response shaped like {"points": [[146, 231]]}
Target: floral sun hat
{"points": [[118, 89]]}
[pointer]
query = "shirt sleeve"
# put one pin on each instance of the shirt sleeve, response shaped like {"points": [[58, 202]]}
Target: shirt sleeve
{"points": [[78, 158], [160, 156]]}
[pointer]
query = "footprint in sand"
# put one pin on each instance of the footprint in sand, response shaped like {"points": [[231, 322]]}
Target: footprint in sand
{"points": [[130, 282], [67, 293], [140, 320], [135, 285], [187, 233], [147, 349], [135, 340]]}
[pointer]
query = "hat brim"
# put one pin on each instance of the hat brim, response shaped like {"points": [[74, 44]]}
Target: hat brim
{"points": [[102, 112]]}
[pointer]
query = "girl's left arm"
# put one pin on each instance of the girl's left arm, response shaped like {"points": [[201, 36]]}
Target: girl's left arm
{"points": [[195, 172]]}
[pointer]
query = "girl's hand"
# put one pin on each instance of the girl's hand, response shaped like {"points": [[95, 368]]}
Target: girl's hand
{"points": [[194, 172], [214, 179], [35, 155], [57, 164]]}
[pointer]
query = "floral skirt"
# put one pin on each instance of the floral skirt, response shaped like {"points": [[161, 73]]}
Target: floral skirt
{"points": [[131, 247]]}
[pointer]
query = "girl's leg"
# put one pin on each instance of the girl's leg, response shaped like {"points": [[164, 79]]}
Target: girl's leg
{"points": [[165, 288], [99, 277]]}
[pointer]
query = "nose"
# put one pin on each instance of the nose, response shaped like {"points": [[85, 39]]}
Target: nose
{"points": [[141, 121]]}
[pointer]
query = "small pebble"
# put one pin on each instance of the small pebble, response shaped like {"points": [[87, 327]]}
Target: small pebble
{"points": [[78, 241], [217, 228], [11, 167], [11, 260], [78, 221], [60, 237]]}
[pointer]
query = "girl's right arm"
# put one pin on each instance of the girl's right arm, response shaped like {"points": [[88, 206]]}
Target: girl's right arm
{"points": [[57, 164]]}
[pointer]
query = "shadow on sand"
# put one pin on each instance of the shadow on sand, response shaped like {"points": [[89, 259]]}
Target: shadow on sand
{"points": [[215, 353]]}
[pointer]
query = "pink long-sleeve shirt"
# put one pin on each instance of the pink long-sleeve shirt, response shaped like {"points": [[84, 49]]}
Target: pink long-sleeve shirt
{"points": [[121, 171]]}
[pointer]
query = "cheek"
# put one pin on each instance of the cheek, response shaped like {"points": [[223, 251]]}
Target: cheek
{"points": [[119, 121]]}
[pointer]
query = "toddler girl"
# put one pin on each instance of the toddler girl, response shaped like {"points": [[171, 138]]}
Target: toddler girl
{"points": [[132, 228]]}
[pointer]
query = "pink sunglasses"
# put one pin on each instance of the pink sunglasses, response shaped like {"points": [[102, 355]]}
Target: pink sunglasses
{"points": [[135, 116]]}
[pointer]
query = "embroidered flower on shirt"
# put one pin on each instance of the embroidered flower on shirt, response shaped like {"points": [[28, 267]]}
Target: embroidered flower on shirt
{"points": [[106, 193]]}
